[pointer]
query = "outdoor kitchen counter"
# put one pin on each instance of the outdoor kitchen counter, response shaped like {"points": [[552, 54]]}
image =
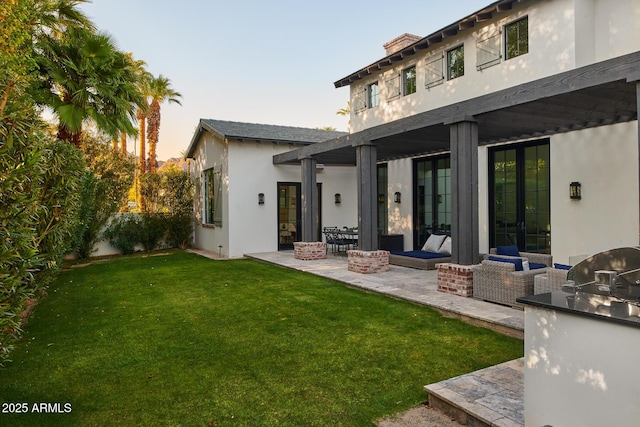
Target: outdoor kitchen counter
{"points": [[596, 306], [581, 360]]}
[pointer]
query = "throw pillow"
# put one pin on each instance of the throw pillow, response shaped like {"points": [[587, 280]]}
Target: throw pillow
{"points": [[508, 250], [561, 266], [433, 243], [517, 262], [445, 249]]}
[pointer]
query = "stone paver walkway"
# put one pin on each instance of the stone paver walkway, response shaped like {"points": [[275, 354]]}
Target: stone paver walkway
{"points": [[490, 397]]}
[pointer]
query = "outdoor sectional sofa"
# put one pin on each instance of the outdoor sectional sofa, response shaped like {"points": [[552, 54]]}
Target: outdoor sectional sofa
{"points": [[436, 250], [502, 278]]}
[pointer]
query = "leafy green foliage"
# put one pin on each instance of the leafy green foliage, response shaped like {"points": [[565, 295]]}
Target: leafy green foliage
{"points": [[50, 203], [62, 180], [123, 232], [105, 189], [153, 230], [183, 340], [83, 76], [21, 167], [169, 194]]}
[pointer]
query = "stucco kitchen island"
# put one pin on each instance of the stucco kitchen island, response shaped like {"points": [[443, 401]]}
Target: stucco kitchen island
{"points": [[582, 356]]}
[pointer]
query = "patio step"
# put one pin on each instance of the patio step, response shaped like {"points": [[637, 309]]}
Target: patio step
{"points": [[493, 396]]}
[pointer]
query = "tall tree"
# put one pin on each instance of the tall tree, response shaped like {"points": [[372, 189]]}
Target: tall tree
{"points": [[160, 91], [84, 77], [143, 82]]}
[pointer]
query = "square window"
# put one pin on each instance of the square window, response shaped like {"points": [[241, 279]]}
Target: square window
{"points": [[455, 63], [409, 81], [517, 38], [373, 95]]}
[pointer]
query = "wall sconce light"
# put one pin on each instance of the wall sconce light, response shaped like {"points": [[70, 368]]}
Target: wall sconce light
{"points": [[261, 198], [575, 191], [338, 198], [397, 197]]}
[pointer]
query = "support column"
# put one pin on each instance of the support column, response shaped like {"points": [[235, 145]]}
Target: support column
{"points": [[308, 199], [366, 158], [638, 145], [464, 185]]}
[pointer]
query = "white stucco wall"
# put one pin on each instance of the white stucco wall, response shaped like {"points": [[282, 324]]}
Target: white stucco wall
{"points": [[212, 153], [605, 161], [248, 227], [579, 371], [339, 179], [400, 179], [563, 34]]}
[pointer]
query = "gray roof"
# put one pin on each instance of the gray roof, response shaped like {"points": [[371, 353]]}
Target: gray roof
{"points": [[260, 132]]}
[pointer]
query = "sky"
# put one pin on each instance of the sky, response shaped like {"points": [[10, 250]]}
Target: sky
{"points": [[258, 61]]}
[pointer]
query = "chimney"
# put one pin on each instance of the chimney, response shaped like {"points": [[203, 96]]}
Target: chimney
{"points": [[400, 43]]}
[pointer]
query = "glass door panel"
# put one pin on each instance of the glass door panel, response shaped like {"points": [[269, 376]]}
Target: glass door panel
{"points": [[521, 213], [289, 214], [443, 196], [536, 213], [432, 188]]}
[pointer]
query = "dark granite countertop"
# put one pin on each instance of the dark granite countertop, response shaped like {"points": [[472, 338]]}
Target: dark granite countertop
{"points": [[599, 305]]}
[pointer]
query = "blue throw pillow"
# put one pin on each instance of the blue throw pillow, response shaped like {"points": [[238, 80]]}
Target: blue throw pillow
{"points": [[508, 250], [536, 265], [561, 266], [515, 261]]}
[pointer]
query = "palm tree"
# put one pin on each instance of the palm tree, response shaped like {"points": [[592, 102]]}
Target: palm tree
{"points": [[143, 77], [123, 143], [84, 77], [160, 91], [345, 112]]}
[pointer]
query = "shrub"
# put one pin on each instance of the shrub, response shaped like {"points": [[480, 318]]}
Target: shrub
{"points": [[153, 230], [179, 233], [123, 232], [169, 195], [62, 181], [21, 169], [105, 189]]}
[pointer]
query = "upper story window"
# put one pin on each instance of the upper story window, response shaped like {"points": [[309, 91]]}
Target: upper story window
{"points": [[373, 95], [455, 62], [516, 39], [409, 81]]}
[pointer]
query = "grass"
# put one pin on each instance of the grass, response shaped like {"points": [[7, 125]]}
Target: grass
{"points": [[180, 340]]}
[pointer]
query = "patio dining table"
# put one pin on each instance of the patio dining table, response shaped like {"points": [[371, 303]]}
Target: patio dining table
{"points": [[341, 240], [349, 237]]}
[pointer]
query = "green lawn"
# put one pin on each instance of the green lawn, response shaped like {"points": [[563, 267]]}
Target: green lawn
{"points": [[178, 339]]}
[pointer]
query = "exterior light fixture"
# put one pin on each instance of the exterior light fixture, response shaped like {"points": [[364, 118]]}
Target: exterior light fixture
{"points": [[337, 198], [261, 198], [397, 197], [575, 191]]}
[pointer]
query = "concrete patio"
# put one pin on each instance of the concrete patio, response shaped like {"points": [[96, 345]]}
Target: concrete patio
{"points": [[490, 397]]}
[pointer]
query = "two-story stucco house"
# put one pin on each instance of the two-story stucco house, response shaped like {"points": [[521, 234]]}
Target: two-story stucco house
{"points": [[488, 129]]}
